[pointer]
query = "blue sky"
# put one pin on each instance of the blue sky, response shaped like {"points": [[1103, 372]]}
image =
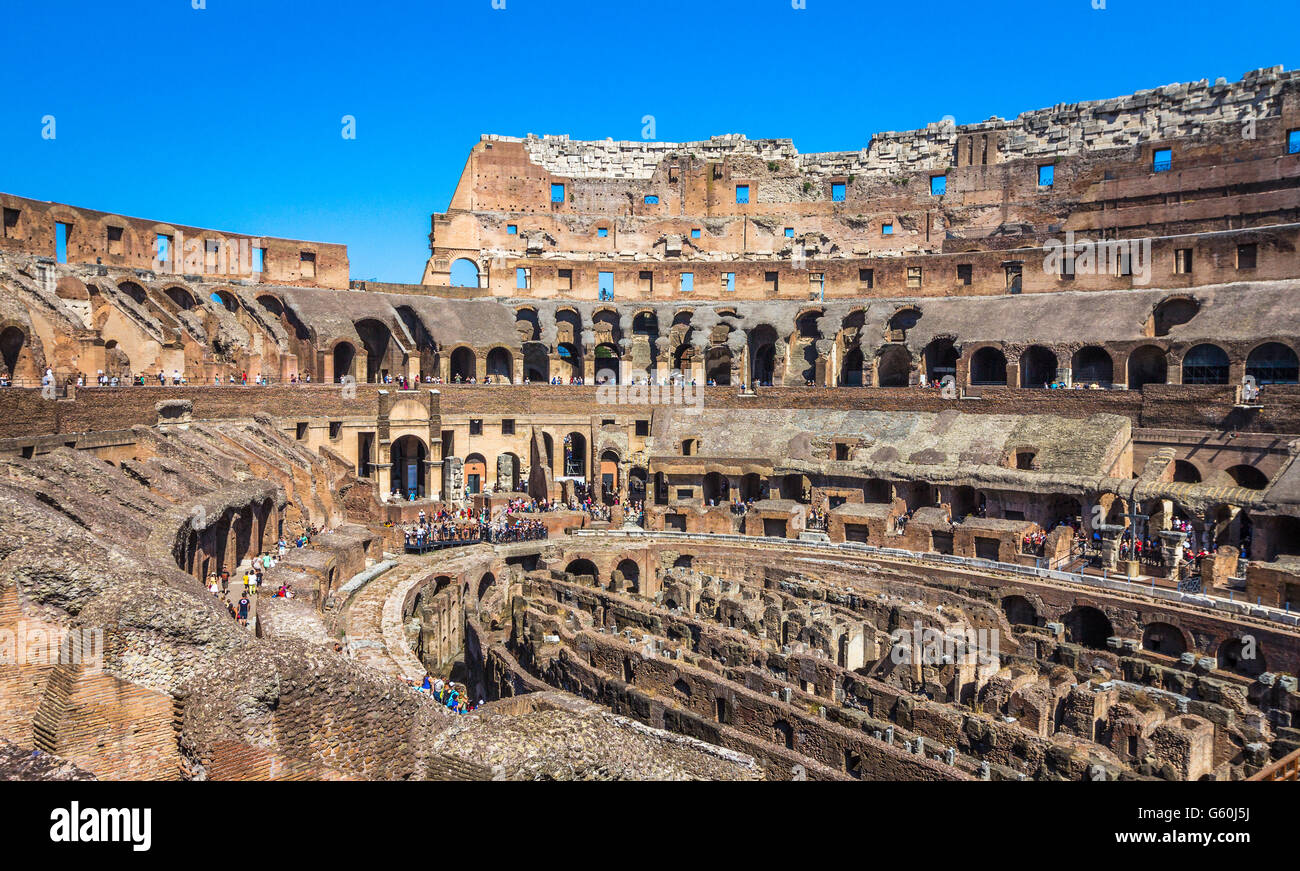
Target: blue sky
{"points": [[230, 116]]}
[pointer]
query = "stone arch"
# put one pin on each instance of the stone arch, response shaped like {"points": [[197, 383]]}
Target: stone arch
{"points": [[382, 356], [717, 365], [631, 573], [607, 363], [409, 456], [13, 343], [575, 455], [1273, 363], [536, 362], [1092, 364], [345, 358], [940, 360], [1019, 611], [183, 299], [988, 366], [900, 322], [762, 354], [1186, 472], [485, 583], [1241, 656], [1247, 476], [501, 365], [893, 366], [851, 370], [1164, 638], [1147, 365], [463, 364], [1206, 363], [1087, 626], [475, 473], [465, 273], [1038, 367], [580, 567]]}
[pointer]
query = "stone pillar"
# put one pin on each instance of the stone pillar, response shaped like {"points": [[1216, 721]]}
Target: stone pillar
{"points": [[1171, 550], [1110, 541], [383, 473]]}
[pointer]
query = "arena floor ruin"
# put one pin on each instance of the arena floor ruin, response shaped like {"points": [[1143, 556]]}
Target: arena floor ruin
{"points": [[968, 455]]}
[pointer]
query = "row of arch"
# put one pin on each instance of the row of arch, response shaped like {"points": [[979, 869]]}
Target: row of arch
{"points": [[1090, 627]]}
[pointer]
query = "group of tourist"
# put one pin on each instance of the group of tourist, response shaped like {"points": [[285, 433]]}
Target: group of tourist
{"points": [[450, 695]]}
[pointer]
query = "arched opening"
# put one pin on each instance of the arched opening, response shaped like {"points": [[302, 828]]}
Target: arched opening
{"points": [[224, 298], [378, 340], [988, 366], [463, 364], [637, 481], [116, 361], [751, 487], [851, 371], [1092, 365], [575, 455], [1019, 611], [1172, 313], [609, 482], [1165, 639], [527, 324], [901, 322], [1186, 472], [464, 273], [12, 340], [764, 368], [409, 468], [1147, 365], [717, 365], [484, 584], [607, 363], [475, 473], [500, 366], [894, 368], [806, 325], [583, 568], [1242, 656], [1205, 364], [136, 292], [632, 574], [1087, 626], [716, 489], [685, 561], [1273, 363], [1248, 476], [570, 360], [345, 356], [1037, 367], [784, 734], [183, 298], [536, 363], [940, 360]]}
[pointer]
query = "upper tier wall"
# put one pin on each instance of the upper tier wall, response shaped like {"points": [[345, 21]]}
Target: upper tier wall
{"points": [[31, 227], [1229, 165]]}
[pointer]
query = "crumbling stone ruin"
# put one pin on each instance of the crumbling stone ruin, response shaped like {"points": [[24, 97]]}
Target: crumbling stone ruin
{"points": [[968, 455]]}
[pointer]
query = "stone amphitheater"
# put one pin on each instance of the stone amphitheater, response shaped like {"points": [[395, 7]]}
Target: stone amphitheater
{"points": [[969, 454]]}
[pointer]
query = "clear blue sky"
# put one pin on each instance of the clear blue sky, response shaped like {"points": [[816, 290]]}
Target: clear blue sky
{"points": [[229, 117]]}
